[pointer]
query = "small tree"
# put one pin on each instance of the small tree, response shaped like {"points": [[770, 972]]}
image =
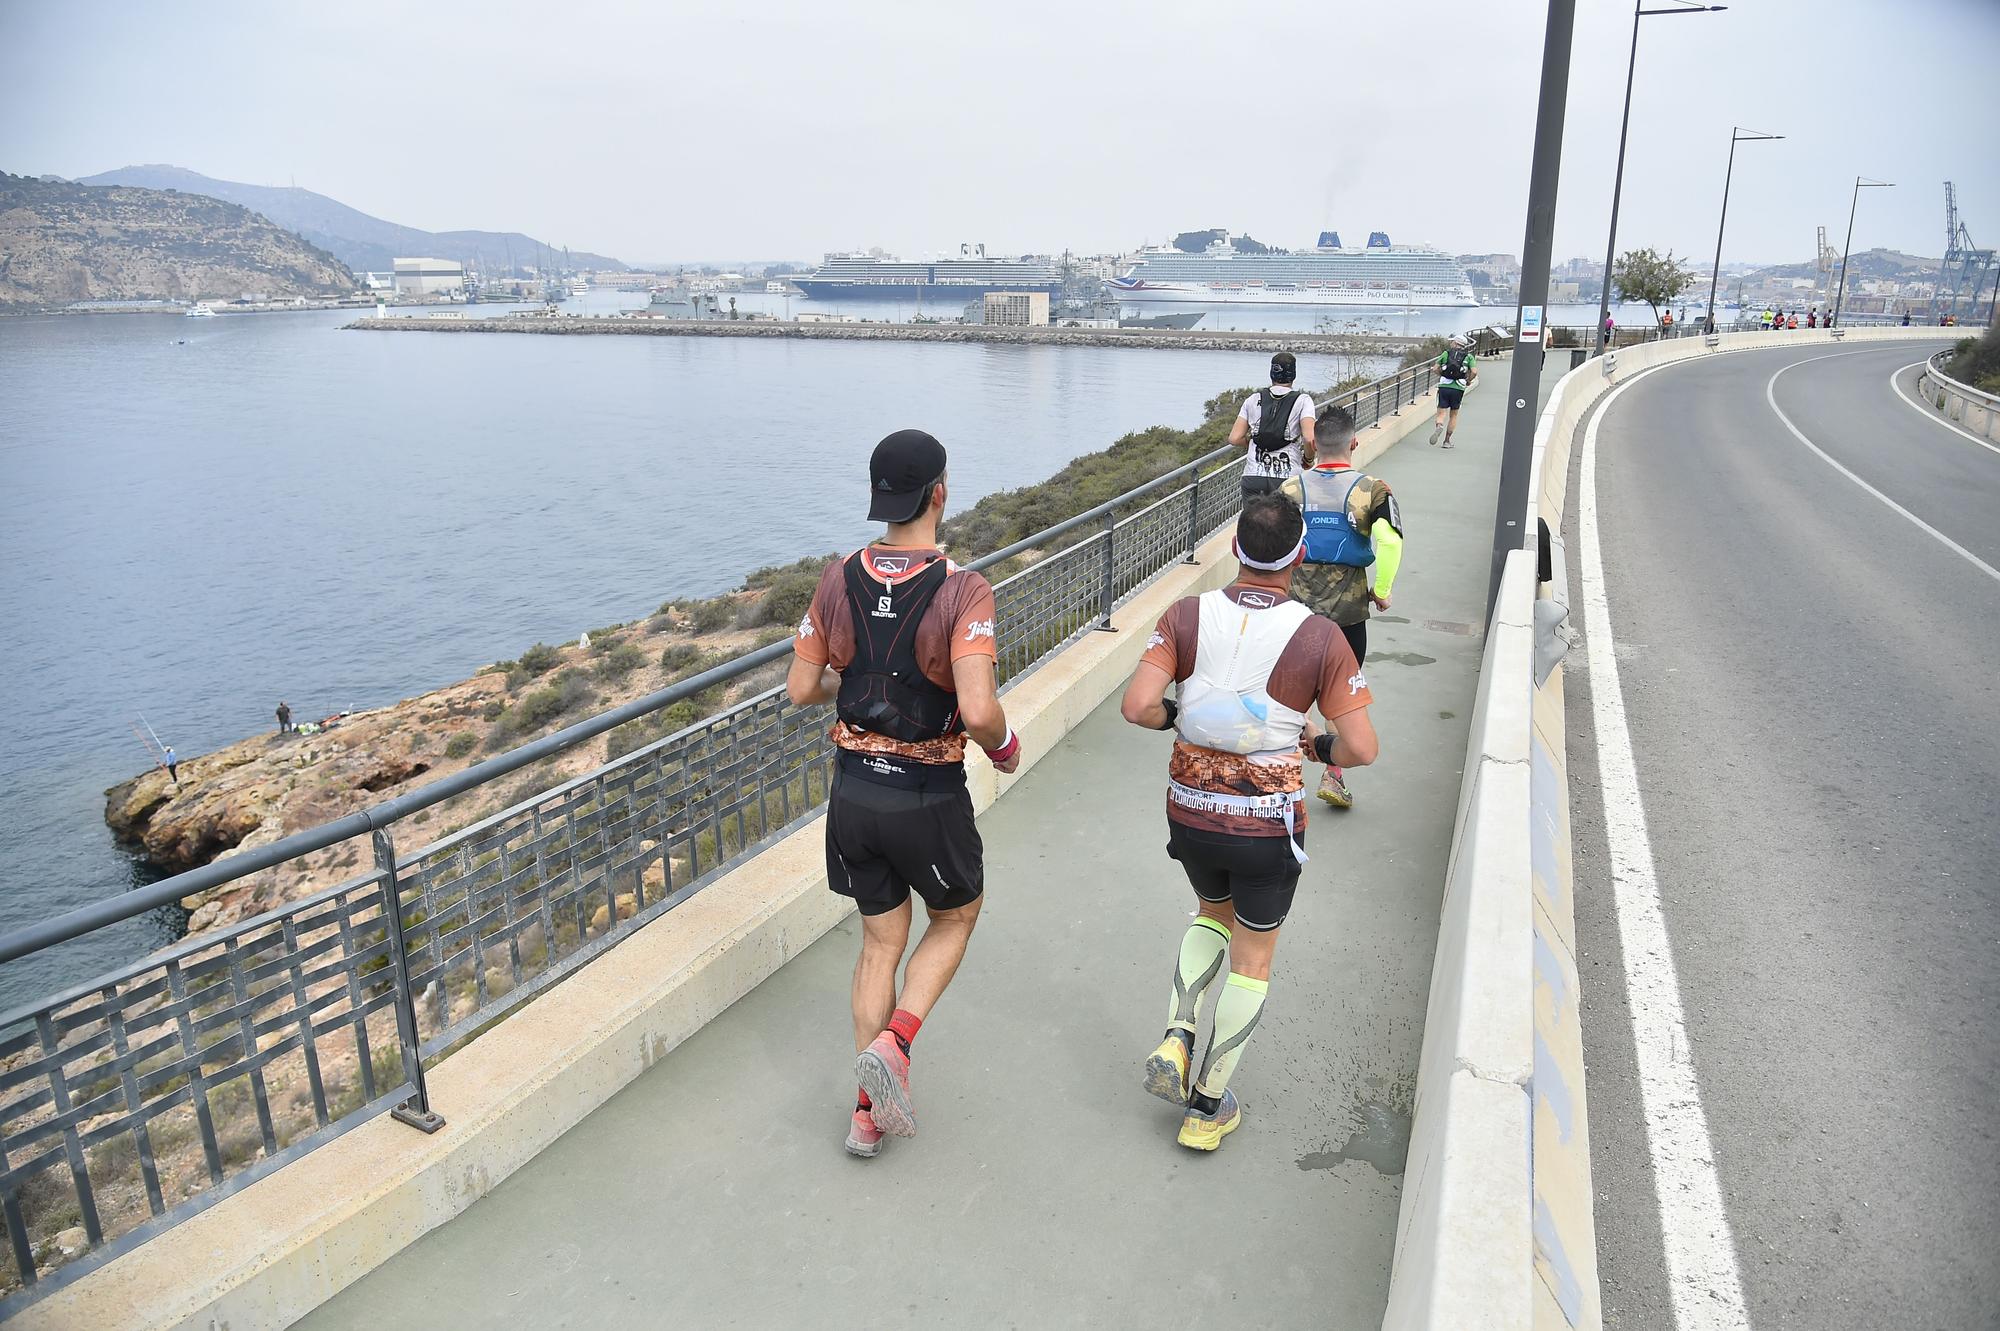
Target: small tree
{"points": [[1653, 278]]}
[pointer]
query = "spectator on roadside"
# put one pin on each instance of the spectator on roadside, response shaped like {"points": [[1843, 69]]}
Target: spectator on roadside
{"points": [[1906, 318], [1792, 320]]}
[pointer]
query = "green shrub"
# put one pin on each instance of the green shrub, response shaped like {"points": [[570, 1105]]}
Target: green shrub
{"points": [[491, 711], [787, 596], [567, 692], [679, 656], [461, 744], [1976, 361], [601, 639], [711, 615], [621, 661], [540, 659]]}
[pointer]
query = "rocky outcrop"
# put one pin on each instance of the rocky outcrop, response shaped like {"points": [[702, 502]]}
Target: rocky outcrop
{"points": [[61, 243], [269, 786]]}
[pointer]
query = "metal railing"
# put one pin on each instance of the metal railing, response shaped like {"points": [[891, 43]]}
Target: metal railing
{"points": [[138, 1099]]}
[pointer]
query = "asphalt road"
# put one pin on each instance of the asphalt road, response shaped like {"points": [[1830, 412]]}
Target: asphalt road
{"points": [[1810, 683]]}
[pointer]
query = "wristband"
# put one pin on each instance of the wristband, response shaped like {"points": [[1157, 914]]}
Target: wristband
{"points": [[1173, 713], [1323, 748], [1008, 748]]}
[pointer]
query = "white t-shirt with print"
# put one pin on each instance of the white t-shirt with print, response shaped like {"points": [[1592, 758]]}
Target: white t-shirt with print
{"points": [[1292, 458]]}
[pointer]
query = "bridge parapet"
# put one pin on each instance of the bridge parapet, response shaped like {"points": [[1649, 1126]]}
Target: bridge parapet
{"points": [[1976, 411]]}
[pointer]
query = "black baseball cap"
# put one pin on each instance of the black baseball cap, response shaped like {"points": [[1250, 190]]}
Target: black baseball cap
{"points": [[905, 466], [1284, 368]]}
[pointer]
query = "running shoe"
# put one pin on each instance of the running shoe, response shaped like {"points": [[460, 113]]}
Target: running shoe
{"points": [[1333, 789], [1204, 1132], [1167, 1070], [863, 1137], [883, 1070], [1447, 441], [1437, 429]]}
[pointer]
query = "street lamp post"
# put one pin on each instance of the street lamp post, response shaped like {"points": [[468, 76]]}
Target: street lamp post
{"points": [[1639, 11], [1860, 183], [1736, 135]]}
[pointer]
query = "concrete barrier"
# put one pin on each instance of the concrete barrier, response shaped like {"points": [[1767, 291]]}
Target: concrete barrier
{"points": [[1497, 1229], [271, 1253], [1975, 412]]}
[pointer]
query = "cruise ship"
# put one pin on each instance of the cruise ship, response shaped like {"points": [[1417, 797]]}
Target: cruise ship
{"points": [[1377, 274], [968, 274]]}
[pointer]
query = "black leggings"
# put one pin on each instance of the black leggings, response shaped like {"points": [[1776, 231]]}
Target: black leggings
{"points": [[1357, 638]]}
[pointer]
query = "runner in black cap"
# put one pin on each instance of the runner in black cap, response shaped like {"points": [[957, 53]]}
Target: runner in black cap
{"points": [[1276, 426], [902, 640]]}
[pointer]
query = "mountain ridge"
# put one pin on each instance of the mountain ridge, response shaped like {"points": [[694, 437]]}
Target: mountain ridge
{"points": [[62, 242], [363, 242]]}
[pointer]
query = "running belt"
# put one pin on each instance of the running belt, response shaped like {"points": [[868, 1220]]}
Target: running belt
{"points": [[1279, 806]]}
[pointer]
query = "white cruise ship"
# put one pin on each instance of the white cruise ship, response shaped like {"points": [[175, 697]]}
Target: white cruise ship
{"points": [[1378, 274]]}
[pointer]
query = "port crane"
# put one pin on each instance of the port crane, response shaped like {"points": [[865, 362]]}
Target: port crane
{"points": [[1966, 269]]}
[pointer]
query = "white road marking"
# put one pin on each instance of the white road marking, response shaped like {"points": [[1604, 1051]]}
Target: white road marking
{"points": [[1703, 1284], [1771, 396], [1930, 415]]}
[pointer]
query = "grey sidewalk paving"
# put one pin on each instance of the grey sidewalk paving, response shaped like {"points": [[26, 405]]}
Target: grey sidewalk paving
{"points": [[1046, 1188]]}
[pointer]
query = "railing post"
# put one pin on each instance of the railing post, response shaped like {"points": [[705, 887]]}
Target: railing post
{"points": [[1194, 516], [1378, 405], [1107, 590], [416, 1111]]}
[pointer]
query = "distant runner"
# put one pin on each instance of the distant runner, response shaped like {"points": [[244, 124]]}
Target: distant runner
{"points": [[1249, 662], [1354, 545], [1456, 373], [901, 639], [1276, 425]]}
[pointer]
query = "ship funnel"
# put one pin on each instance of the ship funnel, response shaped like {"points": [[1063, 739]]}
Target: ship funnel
{"points": [[1329, 240], [1378, 240]]}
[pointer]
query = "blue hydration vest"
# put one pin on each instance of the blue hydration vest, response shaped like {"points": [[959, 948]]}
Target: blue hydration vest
{"points": [[1330, 536]]}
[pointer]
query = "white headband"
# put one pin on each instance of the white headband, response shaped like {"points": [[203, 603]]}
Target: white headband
{"points": [[1279, 566]]}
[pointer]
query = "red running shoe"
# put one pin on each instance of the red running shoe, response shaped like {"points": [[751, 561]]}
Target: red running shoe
{"points": [[863, 1137], [883, 1070]]}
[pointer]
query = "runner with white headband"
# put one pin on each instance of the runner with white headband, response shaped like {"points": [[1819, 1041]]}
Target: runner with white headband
{"points": [[1249, 663]]}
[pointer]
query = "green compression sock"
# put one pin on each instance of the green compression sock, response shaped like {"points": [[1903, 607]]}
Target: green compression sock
{"points": [[1203, 948], [1236, 1014]]}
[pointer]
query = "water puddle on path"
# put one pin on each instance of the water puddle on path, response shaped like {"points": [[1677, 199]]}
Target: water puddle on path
{"points": [[1402, 658], [1383, 1141]]}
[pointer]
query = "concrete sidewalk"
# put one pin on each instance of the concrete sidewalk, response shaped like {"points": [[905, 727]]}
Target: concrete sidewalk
{"points": [[1046, 1188]]}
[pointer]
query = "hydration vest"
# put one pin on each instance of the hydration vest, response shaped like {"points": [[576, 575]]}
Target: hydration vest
{"points": [[883, 690], [1273, 424], [1330, 534], [1455, 363], [1226, 702]]}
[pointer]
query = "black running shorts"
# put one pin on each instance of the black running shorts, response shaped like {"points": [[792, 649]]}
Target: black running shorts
{"points": [[882, 841], [1257, 874], [1451, 397]]}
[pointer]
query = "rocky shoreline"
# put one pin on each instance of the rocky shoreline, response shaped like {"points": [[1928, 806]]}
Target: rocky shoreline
{"points": [[1189, 339]]}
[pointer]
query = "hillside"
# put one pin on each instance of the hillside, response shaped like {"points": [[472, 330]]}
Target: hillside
{"points": [[1893, 265], [363, 243], [62, 242]]}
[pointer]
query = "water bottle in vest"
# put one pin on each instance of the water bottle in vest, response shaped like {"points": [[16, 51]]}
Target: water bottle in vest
{"points": [[1330, 534]]}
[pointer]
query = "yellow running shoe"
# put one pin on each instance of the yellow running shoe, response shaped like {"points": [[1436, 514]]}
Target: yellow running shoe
{"points": [[1333, 789], [1204, 1132], [1167, 1069]]}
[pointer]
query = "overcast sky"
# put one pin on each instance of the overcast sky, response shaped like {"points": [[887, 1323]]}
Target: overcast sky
{"points": [[786, 128]]}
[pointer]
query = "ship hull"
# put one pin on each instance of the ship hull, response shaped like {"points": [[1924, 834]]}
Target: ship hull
{"points": [[1197, 293], [961, 292]]}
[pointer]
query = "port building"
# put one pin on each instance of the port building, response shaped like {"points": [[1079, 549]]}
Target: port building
{"points": [[1017, 309], [430, 277]]}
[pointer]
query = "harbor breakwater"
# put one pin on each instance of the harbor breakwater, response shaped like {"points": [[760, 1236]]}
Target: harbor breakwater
{"points": [[1182, 339]]}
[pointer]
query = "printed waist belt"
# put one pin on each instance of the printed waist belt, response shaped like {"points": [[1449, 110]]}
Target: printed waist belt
{"points": [[1277, 806]]}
